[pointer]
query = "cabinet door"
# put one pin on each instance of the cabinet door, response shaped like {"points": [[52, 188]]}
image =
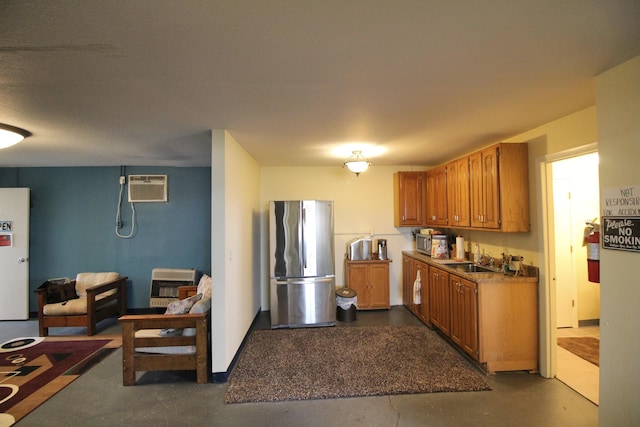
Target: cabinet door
{"points": [[409, 200], [407, 281], [357, 280], [452, 192], [490, 188], [378, 277], [475, 188], [464, 314], [469, 292], [484, 188], [458, 193], [463, 218], [437, 196], [439, 299], [456, 313], [423, 309]]}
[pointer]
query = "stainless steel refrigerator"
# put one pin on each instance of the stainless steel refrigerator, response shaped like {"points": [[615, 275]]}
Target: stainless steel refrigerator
{"points": [[302, 263]]}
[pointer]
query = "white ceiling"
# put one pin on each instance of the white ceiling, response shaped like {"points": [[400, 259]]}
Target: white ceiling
{"points": [[141, 82]]}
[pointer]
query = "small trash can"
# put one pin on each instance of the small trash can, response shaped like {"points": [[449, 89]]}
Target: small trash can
{"points": [[346, 301]]}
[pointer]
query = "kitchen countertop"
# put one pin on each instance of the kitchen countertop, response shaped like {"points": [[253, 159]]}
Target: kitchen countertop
{"points": [[450, 264]]}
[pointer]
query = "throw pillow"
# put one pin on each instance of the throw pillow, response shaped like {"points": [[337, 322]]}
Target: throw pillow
{"points": [[204, 286], [182, 306], [201, 306], [179, 307]]}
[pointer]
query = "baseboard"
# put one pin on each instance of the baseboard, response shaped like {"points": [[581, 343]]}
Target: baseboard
{"points": [[588, 322], [223, 377]]}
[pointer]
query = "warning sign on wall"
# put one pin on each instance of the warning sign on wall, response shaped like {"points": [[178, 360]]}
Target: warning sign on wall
{"points": [[621, 233], [6, 239]]}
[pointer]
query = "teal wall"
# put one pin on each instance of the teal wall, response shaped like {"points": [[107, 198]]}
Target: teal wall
{"points": [[73, 211]]}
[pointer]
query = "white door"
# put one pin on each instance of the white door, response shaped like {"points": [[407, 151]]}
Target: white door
{"points": [[14, 253], [566, 288]]}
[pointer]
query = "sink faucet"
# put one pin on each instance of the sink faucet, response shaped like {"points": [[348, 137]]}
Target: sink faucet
{"points": [[485, 260]]}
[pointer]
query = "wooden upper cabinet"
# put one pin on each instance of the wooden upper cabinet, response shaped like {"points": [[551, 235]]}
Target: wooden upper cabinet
{"points": [[458, 193], [499, 189], [513, 183], [476, 205], [488, 190], [485, 195], [437, 196], [409, 199]]}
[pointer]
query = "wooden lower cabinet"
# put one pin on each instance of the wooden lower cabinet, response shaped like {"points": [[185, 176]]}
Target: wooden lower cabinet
{"points": [[494, 321], [410, 269], [439, 296], [508, 326], [464, 314], [407, 282], [370, 280]]}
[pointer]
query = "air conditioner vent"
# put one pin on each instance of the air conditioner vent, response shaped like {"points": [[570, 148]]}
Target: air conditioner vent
{"points": [[147, 188]]}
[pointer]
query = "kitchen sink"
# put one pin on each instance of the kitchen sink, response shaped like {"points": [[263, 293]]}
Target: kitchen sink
{"points": [[474, 268]]}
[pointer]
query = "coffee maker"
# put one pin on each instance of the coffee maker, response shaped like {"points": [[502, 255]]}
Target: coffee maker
{"points": [[382, 249]]}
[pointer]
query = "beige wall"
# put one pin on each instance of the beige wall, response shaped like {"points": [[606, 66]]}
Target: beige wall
{"points": [[362, 205], [234, 241], [618, 101]]}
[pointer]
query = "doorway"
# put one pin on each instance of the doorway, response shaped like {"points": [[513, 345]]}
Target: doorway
{"points": [[573, 200]]}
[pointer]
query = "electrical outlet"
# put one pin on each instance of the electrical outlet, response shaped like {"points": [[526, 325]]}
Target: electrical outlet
{"points": [[122, 180]]}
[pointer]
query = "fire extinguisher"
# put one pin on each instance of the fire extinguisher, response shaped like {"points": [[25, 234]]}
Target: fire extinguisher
{"points": [[592, 241]]}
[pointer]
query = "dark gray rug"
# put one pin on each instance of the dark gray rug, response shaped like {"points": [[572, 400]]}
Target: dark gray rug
{"points": [[323, 363]]}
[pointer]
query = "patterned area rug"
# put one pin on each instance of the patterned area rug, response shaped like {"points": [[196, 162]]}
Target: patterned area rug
{"points": [[323, 363], [588, 348], [32, 369]]}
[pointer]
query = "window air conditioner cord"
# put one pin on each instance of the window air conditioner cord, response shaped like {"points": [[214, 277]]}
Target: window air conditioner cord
{"points": [[133, 217]]}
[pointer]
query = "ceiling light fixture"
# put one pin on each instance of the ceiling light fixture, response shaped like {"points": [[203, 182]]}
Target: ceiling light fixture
{"points": [[11, 135], [357, 163]]}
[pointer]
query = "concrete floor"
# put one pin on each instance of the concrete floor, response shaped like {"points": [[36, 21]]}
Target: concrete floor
{"points": [[173, 399]]}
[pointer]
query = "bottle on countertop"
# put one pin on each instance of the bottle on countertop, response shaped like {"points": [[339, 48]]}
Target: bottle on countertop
{"points": [[476, 253]]}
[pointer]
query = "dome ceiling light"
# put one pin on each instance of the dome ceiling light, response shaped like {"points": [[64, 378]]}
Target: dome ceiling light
{"points": [[357, 163], [11, 135]]}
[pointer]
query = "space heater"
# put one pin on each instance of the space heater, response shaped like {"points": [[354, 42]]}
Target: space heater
{"points": [[165, 283]]}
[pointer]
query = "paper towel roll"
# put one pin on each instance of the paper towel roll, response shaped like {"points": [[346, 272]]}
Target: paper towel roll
{"points": [[459, 248]]}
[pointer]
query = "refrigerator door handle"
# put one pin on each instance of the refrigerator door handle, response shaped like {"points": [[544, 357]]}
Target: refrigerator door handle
{"points": [[303, 242]]}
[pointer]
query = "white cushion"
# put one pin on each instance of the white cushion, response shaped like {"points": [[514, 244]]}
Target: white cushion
{"points": [[71, 307], [85, 281]]}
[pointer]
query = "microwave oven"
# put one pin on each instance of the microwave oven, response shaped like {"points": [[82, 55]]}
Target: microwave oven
{"points": [[423, 243]]}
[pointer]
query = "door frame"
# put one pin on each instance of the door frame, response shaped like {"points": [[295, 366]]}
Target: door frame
{"points": [[546, 284]]}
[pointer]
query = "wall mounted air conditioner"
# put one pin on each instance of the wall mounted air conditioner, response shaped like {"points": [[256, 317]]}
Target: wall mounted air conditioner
{"points": [[147, 188]]}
